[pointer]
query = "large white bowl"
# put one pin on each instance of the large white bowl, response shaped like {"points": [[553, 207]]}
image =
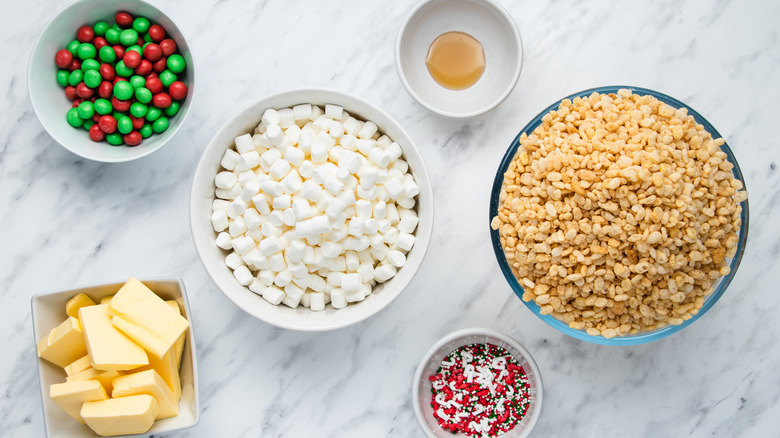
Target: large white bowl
{"points": [[48, 97], [213, 257]]}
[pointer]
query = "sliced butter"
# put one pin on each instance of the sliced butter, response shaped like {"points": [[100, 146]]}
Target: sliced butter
{"points": [[109, 349], [71, 395], [148, 382], [64, 344], [78, 365], [104, 377], [74, 304], [121, 415]]}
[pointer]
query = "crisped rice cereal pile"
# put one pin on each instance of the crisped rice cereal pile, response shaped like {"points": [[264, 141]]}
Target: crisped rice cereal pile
{"points": [[618, 213]]}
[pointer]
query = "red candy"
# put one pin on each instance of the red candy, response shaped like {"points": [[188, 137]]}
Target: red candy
{"points": [[120, 105], [74, 65], [96, 117], [119, 50], [63, 58], [138, 122], [118, 78], [154, 85], [96, 134], [132, 59], [99, 43], [144, 68], [76, 103], [85, 34], [177, 90], [107, 124], [107, 72], [151, 75], [161, 100], [83, 91], [156, 32], [161, 65], [152, 52], [123, 19], [133, 138], [105, 90], [168, 46], [70, 92]]}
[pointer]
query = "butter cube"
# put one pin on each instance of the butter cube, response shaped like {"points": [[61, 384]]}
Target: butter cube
{"points": [[78, 365], [71, 395], [120, 416], [109, 349], [64, 344], [146, 318], [74, 304], [168, 366], [106, 299], [178, 346], [148, 382], [104, 377]]}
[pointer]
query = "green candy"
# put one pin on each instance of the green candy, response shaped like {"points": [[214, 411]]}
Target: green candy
{"points": [[172, 110], [123, 90], [160, 125], [114, 139], [62, 77], [147, 38], [92, 78], [72, 116], [123, 70], [90, 64], [137, 109], [141, 24], [146, 130], [73, 47], [137, 81], [86, 110], [103, 106], [100, 28], [75, 77], [87, 124], [176, 63], [107, 54], [167, 77], [153, 114], [124, 125], [112, 36], [128, 37], [116, 27], [87, 51], [143, 95], [135, 48]]}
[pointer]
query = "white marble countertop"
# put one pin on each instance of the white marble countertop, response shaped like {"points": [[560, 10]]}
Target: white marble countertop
{"points": [[65, 221]]}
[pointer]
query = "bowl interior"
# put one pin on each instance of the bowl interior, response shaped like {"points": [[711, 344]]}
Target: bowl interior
{"points": [[48, 97], [213, 257], [486, 21], [48, 311], [643, 337], [421, 389]]}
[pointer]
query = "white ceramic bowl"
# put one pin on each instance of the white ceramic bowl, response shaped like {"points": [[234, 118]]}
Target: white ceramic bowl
{"points": [[48, 97], [485, 20], [213, 257], [431, 361], [48, 311]]}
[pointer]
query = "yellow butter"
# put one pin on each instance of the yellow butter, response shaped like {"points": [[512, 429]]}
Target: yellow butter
{"points": [[146, 318], [178, 346], [105, 378], [109, 349], [71, 395], [106, 299], [74, 304], [78, 365], [148, 382], [64, 344], [121, 415], [168, 365]]}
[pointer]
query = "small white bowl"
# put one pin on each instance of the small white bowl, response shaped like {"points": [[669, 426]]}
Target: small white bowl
{"points": [[485, 20], [213, 257], [431, 361], [48, 311], [48, 97]]}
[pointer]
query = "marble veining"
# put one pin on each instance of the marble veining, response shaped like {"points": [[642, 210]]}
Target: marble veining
{"points": [[66, 221]]}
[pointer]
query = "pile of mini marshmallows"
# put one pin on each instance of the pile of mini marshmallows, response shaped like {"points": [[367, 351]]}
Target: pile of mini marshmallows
{"points": [[316, 207]]}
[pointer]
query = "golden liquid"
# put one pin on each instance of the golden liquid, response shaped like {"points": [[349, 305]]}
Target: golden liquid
{"points": [[455, 60]]}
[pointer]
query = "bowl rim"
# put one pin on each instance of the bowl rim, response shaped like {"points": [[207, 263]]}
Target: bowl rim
{"points": [[462, 333], [201, 241], [122, 159], [642, 337], [497, 7]]}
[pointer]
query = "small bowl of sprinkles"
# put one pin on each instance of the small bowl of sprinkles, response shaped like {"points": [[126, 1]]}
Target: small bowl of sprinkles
{"points": [[477, 383]]}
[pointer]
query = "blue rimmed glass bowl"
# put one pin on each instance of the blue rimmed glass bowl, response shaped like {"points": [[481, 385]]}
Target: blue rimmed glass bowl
{"points": [[642, 337]]}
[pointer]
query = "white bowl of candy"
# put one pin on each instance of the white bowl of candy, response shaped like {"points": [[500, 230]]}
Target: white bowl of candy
{"points": [[311, 209], [477, 382]]}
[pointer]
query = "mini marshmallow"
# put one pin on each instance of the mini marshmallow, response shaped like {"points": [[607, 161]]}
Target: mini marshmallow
{"points": [[219, 220], [317, 301], [372, 226], [286, 118], [376, 239], [348, 142], [261, 204], [276, 262], [400, 165], [257, 260], [230, 193], [394, 187], [233, 261], [311, 191], [334, 278], [355, 296], [319, 152], [256, 235], [257, 286], [292, 296], [266, 277], [333, 185], [251, 188], [334, 112], [392, 214], [270, 245], [335, 129], [306, 169], [350, 282], [219, 204], [391, 236], [283, 278], [245, 176], [268, 229], [334, 208], [408, 223], [405, 202], [292, 183], [295, 251], [292, 134], [411, 189], [298, 270], [273, 295], [275, 135], [396, 258], [379, 157], [364, 146], [366, 271], [268, 158], [337, 298], [367, 194], [383, 141], [331, 249], [339, 264], [261, 143], [302, 209], [237, 227], [273, 188], [281, 202], [243, 275], [356, 226], [229, 160], [225, 180], [352, 260], [288, 216], [363, 209], [236, 207], [367, 130], [394, 152], [244, 143], [384, 225], [351, 125], [380, 210], [279, 169], [223, 240], [302, 112], [379, 252], [242, 245], [384, 272], [306, 300], [270, 117], [248, 160], [294, 156], [320, 224], [339, 221]]}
